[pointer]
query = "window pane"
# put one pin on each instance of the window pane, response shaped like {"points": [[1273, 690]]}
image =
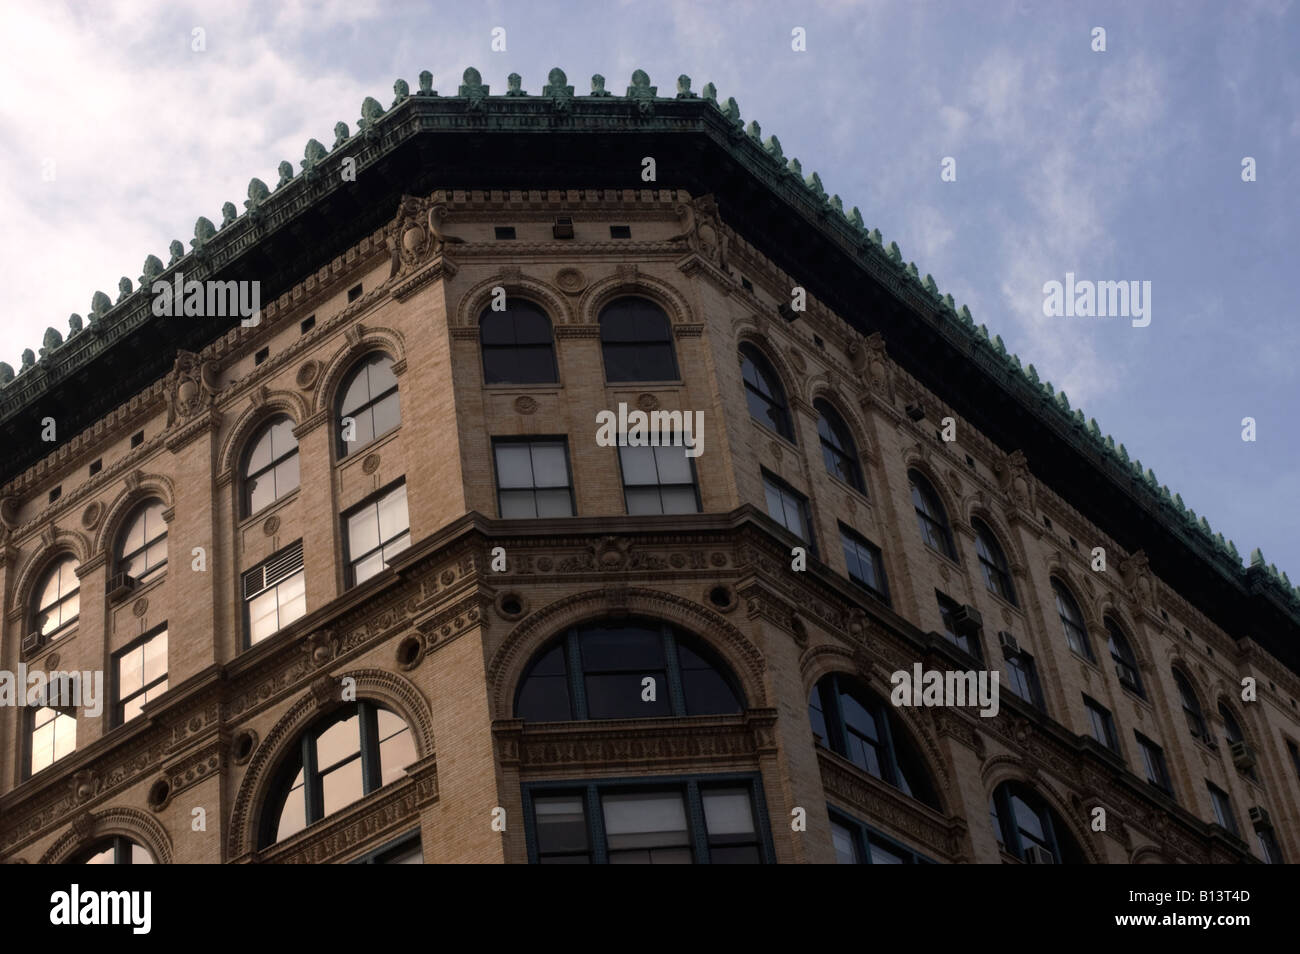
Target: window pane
{"points": [[341, 786], [293, 599], [728, 812], [644, 820], [883, 856], [140, 855], [846, 849], [392, 514], [395, 754], [104, 857], [544, 699], [518, 503], [286, 476], [260, 456], [261, 492], [365, 568], [674, 465], [129, 669], [554, 503], [155, 657], [549, 468], [363, 531], [707, 693], [643, 500], [679, 500], [561, 824], [387, 414], [619, 696], [514, 467], [294, 817], [638, 465], [622, 648], [340, 741]]}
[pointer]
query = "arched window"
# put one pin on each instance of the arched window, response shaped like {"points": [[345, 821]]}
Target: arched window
{"points": [[341, 759], [859, 725], [368, 408], [636, 339], [517, 345], [1242, 757], [115, 851], [930, 516], [599, 671], [997, 575], [1126, 665], [764, 393], [58, 600], [142, 553], [271, 466], [1076, 631], [1027, 827], [1191, 706], [838, 451]]}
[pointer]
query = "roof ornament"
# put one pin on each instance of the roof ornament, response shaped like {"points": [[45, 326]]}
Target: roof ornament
{"points": [[371, 113], [710, 93], [754, 131], [814, 184], [123, 289], [642, 93], [50, 342], [204, 230], [99, 307], [29, 360], [153, 267], [401, 91], [965, 315], [876, 237], [472, 88], [228, 214], [286, 173], [731, 109], [684, 88], [796, 167], [6, 373], [426, 84], [257, 194], [558, 91], [341, 134], [933, 289], [837, 204], [855, 220], [177, 251], [598, 86], [313, 154], [773, 147], [1031, 373], [895, 253], [1257, 557], [74, 325], [513, 83], [912, 273]]}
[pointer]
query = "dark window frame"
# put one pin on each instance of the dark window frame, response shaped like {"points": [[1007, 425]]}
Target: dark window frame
{"points": [[1073, 628], [359, 366], [350, 560], [281, 554], [55, 568], [691, 788], [29, 732], [1221, 804], [1151, 752], [1121, 653], [931, 526], [530, 439], [247, 479], [642, 344], [769, 392], [119, 703], [121, 846], [123, 559], [380, 855], [850, 536], [803, 502], [838, 446], [948, 608], [1231, 722], [622, 474], [1006, 826], [992, 558], [576, 672], [1093, 707], [1029, 670], [492, 378], [865, 835], [1193, 711]]}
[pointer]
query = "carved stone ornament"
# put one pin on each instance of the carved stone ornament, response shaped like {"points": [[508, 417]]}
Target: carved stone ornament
{"points": [[409, 236], [647, 402], [370, 464], [91, 516], [571, 280], [1016, 481], [1137, 578], [702, 228], [525, 405], [192, 386]]}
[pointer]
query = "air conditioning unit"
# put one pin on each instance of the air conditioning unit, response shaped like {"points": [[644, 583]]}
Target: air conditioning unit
{"points": [[1259, 817], [915, 412], [1008, 642], [968, 621], [1035, 855], [1243, 756], [32, 642], [119, 585], [563, 227]]}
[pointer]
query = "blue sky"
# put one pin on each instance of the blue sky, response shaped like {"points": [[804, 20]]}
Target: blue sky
{"points": [[1122, 165]]}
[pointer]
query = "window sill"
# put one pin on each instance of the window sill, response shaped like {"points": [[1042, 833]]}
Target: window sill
{"points": [[632, 385], [542, 387]]}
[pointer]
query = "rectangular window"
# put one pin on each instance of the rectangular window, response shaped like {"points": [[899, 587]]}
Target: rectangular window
{"points": [[859, 844], [789, 508], [1268, 846], [275, 593], [140, 672], [533, 477], [505, 232], [1153, 760], [51, 735], [1222, 803], [658, 479], [865, 564], [950, 610], [673, 821], [1101, 723], [620, 231], [1022, 678], [377, 531]]}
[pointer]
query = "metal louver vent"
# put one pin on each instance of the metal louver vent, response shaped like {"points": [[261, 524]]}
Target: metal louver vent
{"points": [[284, 564]]}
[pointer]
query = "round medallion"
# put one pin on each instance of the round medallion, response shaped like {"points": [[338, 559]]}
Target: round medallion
{"points": [[571, 280], [647, 403], [140, 607], [544, 564], [270, 525], [718, 559], [307, 374], [525, 405], [370, 464], [90, 516]]}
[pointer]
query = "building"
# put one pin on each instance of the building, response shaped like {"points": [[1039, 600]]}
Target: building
{"points": [[366, 586]]}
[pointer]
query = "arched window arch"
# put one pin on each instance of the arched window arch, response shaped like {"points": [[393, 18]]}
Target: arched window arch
{"points": [[764, 393], [1238, 749], [636, 340], [1027, 827], [142, 548], [598, 670], [368, 403], [58, 599], [857, 724], [931, 518], [517, 345], [270, 465], [118, 850], [1191, 706], [1126, 664], [839, 452], [1076, 630], [993, 562], [340, 759]]}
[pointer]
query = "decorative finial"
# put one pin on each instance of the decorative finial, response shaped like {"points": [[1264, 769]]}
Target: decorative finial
{"points": [[732, 110], [710, 92], [341, 134], [74, 325], [773, 147], [50, 342], [228, 214], [401, 90], [513, 83], [598, 86], [426, 84], [371, 113], [204, 230], [684, 88], [153, 267], [29, 360], [558, 90], [123, 289], [177, 251], [754, 131], [6, 373], [257, 193], [286, 173]]}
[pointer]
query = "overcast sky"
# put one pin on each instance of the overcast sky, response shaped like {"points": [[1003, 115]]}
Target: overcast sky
{"points": [[1116, 165]]}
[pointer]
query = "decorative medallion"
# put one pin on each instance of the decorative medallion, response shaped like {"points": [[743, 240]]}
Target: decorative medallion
{"points": [[91, 515], [271, 525], [140, 607], [544, 564], [678, 560], [525, 405], [571, 280], [308, 373], [51, 662], [647, 403], [718, 559], [448, 577], [370, 464]]}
